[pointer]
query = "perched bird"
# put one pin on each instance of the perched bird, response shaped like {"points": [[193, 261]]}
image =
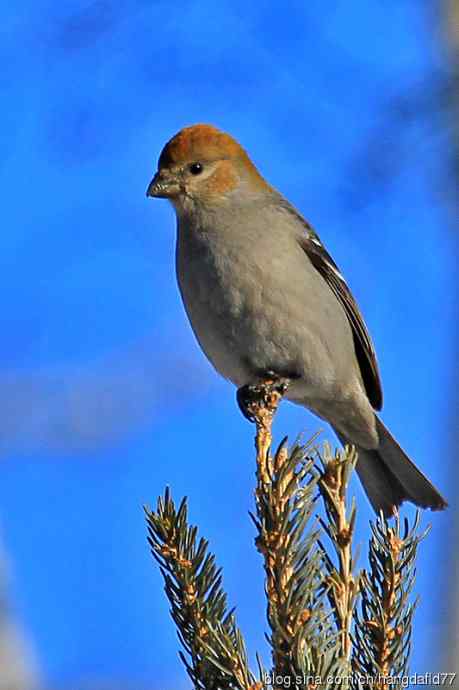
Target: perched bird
{"points": [[265, 299]]}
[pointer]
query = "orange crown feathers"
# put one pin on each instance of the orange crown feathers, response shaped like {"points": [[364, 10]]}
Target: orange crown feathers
{"points": [[200, 142], [207, 143]]}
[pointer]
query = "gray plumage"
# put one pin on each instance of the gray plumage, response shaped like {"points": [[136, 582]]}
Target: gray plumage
{"points": [[263, 295]]}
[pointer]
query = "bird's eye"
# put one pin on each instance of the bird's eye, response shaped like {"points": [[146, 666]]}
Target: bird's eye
{"points": [[195, 168]]}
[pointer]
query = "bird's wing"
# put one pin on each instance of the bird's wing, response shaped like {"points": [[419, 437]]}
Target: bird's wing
{"points": [[366, 356]]}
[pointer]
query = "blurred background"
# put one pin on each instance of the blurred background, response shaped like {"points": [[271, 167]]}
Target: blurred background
{"points": [[351, 110]]}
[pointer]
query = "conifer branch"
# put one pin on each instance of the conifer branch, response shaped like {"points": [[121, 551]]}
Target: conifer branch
{"points": [[339, 526], [302, 632], [217, 658], [292, 560], [383, 625], [318, 638]]}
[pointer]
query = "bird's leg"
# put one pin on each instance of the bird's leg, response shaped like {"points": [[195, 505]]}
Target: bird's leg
{"points": [[266, 394]]}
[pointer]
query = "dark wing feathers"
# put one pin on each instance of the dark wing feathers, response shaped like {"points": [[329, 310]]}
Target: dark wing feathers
{"points": [[364, 349]]}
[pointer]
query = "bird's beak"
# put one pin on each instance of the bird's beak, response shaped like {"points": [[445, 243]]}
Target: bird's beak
{"points": [[163, 186]]}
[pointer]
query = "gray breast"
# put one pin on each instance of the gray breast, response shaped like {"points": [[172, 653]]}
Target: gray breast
{"points": [[256, 303]]}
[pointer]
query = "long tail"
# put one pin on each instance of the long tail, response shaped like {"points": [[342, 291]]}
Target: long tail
{"points": [[389, 477]]}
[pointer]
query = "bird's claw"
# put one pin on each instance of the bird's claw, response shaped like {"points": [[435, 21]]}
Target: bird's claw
{"points": [[264, 395]]}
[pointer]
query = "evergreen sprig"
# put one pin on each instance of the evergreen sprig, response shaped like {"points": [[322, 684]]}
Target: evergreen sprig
{"points": [[339, 526], [301, 629], [384, 622], [319, 636], [217, 658]]}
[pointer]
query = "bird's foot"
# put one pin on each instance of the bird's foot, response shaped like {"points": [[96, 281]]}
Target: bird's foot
{"points": [[266, 395]]}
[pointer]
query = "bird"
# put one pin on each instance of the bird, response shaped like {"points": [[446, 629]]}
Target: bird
{"points": [[265, 299]]}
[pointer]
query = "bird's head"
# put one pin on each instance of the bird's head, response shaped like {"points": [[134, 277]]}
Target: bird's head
{"points": [[203, 165]]}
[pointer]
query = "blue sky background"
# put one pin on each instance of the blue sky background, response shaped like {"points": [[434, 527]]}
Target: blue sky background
{"points": [[105, 396]]}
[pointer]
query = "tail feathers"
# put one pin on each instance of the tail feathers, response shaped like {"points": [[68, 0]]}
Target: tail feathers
{"points": [[389, 477], [382, 487]]}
